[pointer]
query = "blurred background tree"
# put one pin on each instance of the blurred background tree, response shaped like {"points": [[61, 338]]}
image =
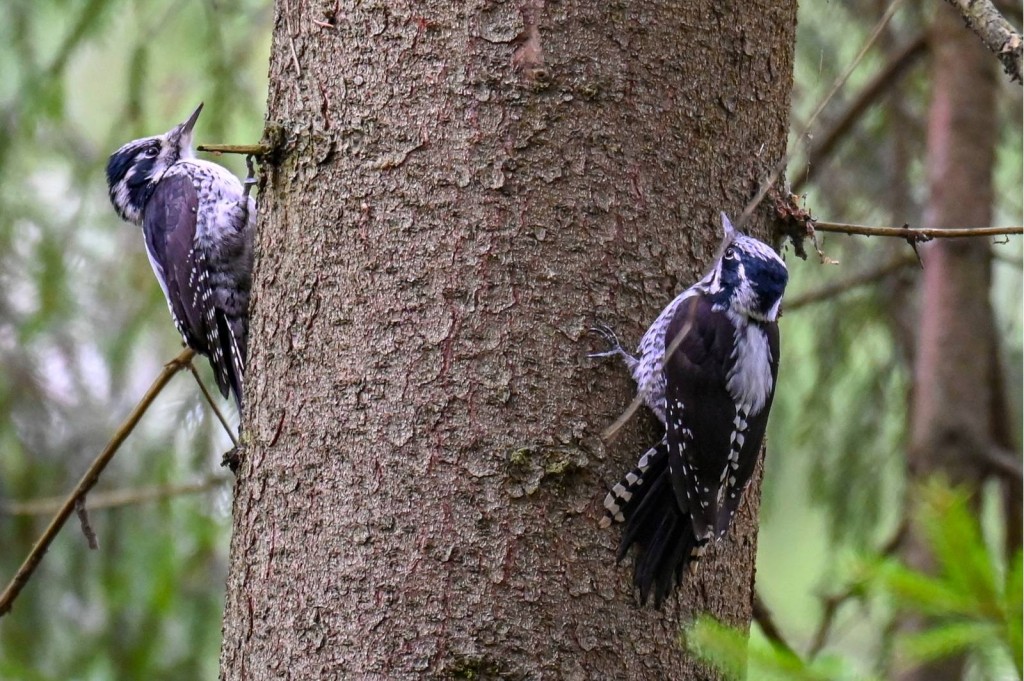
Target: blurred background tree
{"points": [[84, 329]]}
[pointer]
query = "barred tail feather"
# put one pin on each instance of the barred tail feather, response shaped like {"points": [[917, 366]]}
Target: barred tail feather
{"points": [[227, 360], [655, 524], [624, 497]]}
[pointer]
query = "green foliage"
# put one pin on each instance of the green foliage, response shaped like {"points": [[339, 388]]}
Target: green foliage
{"points": [[83, 328], [972, 602], [728, 651], [970, 605]]}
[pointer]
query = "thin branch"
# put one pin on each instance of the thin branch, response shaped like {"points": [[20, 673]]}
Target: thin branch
{"points": [[832, 603], [291, 45], [213, 404], [995, 32], [917, 235], [879, 85], [115, 498], [90, 478], [764, 619], [836, 288], [247, 149], [1004, 462]]}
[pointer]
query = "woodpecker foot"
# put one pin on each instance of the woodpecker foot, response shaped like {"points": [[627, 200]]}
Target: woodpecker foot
{"points": [[250, 177], [605, 332]]}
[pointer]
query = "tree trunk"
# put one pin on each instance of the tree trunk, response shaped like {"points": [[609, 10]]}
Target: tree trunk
{"points": [[464, 190], [951, 420]]}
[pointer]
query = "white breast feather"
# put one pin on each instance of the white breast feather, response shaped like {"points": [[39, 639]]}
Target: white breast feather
{"points": [[750, 381]]}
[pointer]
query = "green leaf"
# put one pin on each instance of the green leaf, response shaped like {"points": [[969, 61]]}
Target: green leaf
{"points": [[1014, 606], [722, 647], [923, 593], [945, 640], [954, 536], [727, 650]]}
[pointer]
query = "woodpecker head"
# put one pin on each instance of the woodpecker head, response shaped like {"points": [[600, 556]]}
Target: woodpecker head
{"points": [[748, 278], [134, 170]]}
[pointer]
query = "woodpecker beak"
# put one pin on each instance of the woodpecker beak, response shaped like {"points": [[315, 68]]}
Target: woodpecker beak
{"points": [[186, 127], [181, 135], [728, 234], [727, 229]]}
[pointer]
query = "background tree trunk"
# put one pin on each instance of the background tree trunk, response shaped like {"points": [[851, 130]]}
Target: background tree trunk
{"points": [[465, 190], [956, 372]]}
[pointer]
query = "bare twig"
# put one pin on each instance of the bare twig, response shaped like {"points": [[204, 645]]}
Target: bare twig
{"points": [[995, 32], [115, 498], [764, 619], [247, 149], [885, 78], [291, 44], [831, 603], [836, 288], [920, 234], [31, 562], [213, 405]]}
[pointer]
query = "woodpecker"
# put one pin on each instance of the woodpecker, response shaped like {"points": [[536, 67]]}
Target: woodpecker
{"points": [[197, 220], [707, 368]]}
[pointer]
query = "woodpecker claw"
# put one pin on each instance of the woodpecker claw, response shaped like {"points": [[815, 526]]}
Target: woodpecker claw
{"points": [[606, 333], [250, 177]]}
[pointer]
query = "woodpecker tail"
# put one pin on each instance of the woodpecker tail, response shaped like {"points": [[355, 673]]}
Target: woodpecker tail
{"points": [[655, 523], [228, 356]]}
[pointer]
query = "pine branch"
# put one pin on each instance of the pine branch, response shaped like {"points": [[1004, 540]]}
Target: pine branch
{"points": [[92, 475], [995, 32]]}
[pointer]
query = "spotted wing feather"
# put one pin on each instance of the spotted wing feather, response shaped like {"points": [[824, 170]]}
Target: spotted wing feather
{"points": [[699, 410], [169, 224]]}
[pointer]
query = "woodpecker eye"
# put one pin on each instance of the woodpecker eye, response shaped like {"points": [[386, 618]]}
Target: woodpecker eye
{"points": [[152, 151], [730, 253]]}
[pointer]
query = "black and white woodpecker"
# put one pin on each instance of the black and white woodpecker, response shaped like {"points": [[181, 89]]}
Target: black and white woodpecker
{"points": [[197, 220], [707, 368]]}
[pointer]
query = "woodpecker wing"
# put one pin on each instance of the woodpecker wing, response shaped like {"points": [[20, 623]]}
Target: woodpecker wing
{"points": [[169, 224], [700, 413]]}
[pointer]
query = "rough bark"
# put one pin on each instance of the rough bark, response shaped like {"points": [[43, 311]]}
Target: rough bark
{"points": [[464, 190], [995, 32], [956, 353]]}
